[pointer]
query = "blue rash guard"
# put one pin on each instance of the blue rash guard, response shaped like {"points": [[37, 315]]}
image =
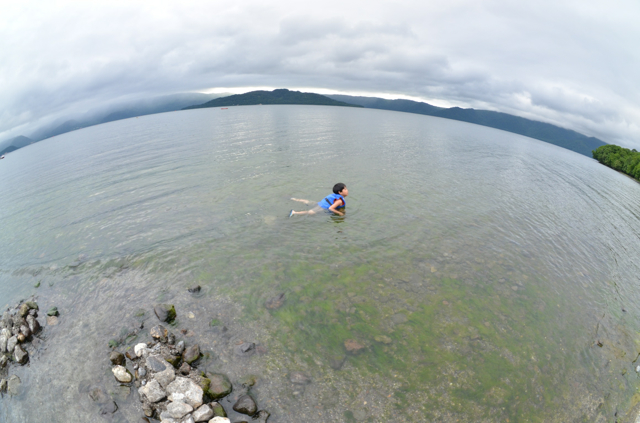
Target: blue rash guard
{"points": [[330, 199]]}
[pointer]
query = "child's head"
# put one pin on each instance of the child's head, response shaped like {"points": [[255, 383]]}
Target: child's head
{"points": [[341, 189]]}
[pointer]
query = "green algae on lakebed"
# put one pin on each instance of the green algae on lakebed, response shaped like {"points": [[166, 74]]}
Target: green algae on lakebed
{"points": [[476, 349]]}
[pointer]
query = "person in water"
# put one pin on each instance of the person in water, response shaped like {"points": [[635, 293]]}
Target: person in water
{"points": [[331, 202]]}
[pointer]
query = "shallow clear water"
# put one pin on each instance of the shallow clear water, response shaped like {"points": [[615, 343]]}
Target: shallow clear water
{"points": [[478, 267]]}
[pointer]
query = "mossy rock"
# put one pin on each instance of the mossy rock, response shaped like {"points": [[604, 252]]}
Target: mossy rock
{"points": [[204, 383], [174, 360], [248, 380], [220, 386], [165, 312], [218, 409]]}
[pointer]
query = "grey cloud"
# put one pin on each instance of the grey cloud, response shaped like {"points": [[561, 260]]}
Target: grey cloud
{"points": [[566, 63]]}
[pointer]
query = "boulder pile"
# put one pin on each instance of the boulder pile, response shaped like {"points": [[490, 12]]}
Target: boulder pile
{"points": [[18, 327], [170, 386]]}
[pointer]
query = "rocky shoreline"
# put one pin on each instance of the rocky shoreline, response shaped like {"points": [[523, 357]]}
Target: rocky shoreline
{"points": [[162, 372], [19, 327], [169, 384]]}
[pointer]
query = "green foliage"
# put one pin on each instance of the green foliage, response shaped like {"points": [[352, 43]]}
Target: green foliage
{"points": [[281, 96], [619, 158]]}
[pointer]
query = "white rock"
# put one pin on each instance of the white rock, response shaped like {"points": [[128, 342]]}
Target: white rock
{"points": [[185, 390], [203, 414], [152, 391], [188, 419], [122, 374], [11, 344], [166, 377], [5, 334], [139, 349], [219, 420], [165, 418], [178, 410]]}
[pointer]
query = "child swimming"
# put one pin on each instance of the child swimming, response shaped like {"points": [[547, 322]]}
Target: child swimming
{"points": [[331, 202]]}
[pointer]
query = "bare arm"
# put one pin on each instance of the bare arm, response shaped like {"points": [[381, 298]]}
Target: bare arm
{"points": [[334, 208]]}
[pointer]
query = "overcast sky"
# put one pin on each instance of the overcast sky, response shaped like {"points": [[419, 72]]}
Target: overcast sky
{"points": [[572, 63]]}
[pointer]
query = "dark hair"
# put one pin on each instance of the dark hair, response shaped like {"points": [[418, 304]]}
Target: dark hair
{"points": [[338, 187]]}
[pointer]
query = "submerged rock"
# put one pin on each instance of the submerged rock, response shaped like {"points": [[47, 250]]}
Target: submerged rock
{"points": [[353, 347], [122, 374], [117, 358], [246, 405], [245, 350], [275, 302], [218, 409], [97, 394], [399, 318], [165, 312], [13, 385], [220, 386], [383, 339], [194, 289], [262, 416], [299, 378], [248, 380], [191, 354], [52, 320], [109, 407]]}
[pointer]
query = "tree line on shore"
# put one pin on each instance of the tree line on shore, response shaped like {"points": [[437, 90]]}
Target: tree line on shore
{"points": [[619, 158]]}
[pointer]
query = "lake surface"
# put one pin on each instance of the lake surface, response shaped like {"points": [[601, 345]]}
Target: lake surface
{"points": [[480, 269]]}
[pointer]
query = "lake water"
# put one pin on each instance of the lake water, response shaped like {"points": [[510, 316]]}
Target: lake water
{"points": [[479, 268]]}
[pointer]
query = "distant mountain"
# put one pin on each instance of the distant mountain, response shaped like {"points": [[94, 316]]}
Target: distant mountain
{"points": [[279, 96], [20, 141], [123, 110], [8, 150], [14, 144], [552, 134]]}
